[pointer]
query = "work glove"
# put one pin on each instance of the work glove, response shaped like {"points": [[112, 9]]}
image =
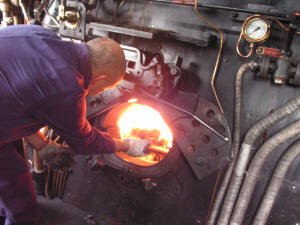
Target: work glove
{"points": [[57, 156], [137, 147]]}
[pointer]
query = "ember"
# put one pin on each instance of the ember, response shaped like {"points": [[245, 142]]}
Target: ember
{"points": [[143, 122], [133, 120]]}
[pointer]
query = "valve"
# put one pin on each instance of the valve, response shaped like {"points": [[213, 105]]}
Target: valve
{"points": [[277, 65]]}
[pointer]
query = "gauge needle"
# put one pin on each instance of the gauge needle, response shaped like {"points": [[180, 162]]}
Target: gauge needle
{"points": [[256, 29]]}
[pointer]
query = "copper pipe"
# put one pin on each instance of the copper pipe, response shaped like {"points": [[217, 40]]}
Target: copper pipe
{"points": [[280, 24], [66, 173], [213, 195], [58, 177], [54, 182], [59, 181], [212, 83], [252, 44], [238, 48]]}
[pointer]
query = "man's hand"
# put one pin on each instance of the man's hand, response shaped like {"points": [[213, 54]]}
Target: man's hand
{"points": [[137, 147], [57, 156]]}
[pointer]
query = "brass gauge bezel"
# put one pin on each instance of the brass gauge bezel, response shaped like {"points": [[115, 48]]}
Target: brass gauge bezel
{"points": [[251, 40]]}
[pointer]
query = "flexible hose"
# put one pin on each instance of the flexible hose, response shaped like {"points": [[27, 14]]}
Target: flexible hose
{"points": [[275, 184], [255, 168], [236, 141], [220, 195], [246, 148]]}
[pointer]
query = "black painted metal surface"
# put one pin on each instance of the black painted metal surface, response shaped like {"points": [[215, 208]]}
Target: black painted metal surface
{"points": [[179, 198]]}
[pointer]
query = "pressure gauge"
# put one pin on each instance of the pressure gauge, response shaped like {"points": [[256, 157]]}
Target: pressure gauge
{"points": [[256, 30]]}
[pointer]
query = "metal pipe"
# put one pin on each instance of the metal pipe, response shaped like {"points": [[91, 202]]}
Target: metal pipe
{"points": [[246, 148], [220, 194], [275, 184], [236, 141], [37, 11], [60, 185], [23, 8], [186, 112], [225, 8], [255, 168], [57, 182], [60, 194], [213, 78], [54, 182]]}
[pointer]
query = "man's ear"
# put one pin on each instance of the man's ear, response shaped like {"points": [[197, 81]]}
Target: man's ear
{"points": [[101, 77]]}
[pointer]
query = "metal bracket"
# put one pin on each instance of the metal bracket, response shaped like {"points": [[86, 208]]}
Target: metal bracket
{"points": [[78, 31]]}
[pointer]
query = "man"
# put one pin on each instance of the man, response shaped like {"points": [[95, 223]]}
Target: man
{"points": [[44, 81]]}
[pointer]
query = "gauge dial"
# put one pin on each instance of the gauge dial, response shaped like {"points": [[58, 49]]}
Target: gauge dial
{"points": [[256, 30]]}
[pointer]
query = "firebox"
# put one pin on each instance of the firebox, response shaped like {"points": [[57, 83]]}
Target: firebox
{"points": [[184, 125], [134, 120], [148, 104]]}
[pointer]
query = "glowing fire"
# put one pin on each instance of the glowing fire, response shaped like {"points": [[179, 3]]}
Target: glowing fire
{"points": [[141, 121]]}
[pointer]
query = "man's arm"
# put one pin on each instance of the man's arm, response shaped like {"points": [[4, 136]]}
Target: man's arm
{"points": [[54, 155], [66, 115], [121, 146], [37, 140]]}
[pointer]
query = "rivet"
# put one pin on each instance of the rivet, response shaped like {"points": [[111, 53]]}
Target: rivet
{"points": [[200, 161], [191, 148]]}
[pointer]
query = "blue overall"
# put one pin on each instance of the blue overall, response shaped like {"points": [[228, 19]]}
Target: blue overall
{"points": [[43, 81]]}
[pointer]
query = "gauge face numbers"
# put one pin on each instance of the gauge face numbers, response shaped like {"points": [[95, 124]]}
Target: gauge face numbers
{"points": [[256, 30]]}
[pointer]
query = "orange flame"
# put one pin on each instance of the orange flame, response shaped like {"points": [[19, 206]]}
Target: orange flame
{"points": [[132, 100], [141, 121]]}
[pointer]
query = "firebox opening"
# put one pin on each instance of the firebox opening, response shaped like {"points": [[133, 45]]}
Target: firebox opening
{"points": [[133, 120]]}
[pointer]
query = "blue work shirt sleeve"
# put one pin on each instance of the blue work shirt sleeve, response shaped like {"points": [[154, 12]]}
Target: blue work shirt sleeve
{"points": [[66, 115]]}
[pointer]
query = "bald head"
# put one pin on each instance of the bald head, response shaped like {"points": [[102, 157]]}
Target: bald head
{"points": [[107, 63]]}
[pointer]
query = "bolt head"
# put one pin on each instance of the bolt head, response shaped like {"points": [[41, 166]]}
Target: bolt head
{"points": [[259, 50], [191, 148], [200, 161], [173, 71]]}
